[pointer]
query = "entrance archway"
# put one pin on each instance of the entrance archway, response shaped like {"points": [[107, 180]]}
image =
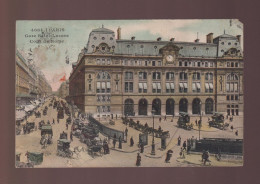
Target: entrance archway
{"points": [[129, 107], [169, 106], [209, 106], [142, 107], [183, 105], [156, 106], [196, 108]]}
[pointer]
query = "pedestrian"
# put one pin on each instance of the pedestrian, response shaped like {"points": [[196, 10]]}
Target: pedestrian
{"points": [[184, 145], [168, 156], [196, 122], [116, 116], [53, 122], [114, 142], [232, 128], [236, 133], [165, 118], [71, 136], [179, 140], [206, 157], [160, 119], [141, 147], [138, 160], [131, 141], [120, 143], [126, 131]]}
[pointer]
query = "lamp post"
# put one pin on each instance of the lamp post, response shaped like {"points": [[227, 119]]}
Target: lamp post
{"points": [[200, 121], [153, 146]]}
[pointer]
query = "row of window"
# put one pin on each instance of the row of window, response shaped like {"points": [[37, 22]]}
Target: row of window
{"points": [[103, 61], [103, 87], [232, 97], [103, 98], [196, 64], [103, 109], [232, 64], [232, 86], [169, 76], [232, 110]]}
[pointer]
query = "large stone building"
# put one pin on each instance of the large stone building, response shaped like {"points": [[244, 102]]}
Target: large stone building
{"points": [[132, 77], [63, 90], [30, 83]]}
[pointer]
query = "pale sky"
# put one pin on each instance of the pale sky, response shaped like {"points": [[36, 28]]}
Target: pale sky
{"points": [[51, 59]]}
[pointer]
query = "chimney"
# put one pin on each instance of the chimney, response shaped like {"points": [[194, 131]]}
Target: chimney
{"points": [[159, 39], [209, 38], [172, 39], [197, 40], [239, 38], [119, 33], [132, 38]]}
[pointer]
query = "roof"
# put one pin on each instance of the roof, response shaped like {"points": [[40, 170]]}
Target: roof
{"points": [[226, 36], [102, 30]]}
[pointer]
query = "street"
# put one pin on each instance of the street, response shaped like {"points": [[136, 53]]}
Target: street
{"points": [[125, 157]]}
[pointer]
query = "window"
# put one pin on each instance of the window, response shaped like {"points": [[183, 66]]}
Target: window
{"points": [[236, 64], [232, 64], [111, 38], [142, 75], [103, 82], [183, 87], [196, 76], [206, 64], [209, 76], [145, 63], [185, 63], [108, 61], [198, 64], [116, 86], [156, 87], [159, 63], [142, 87], [232, 97], [103, 61], [156, 75], [132, 63], [140, 63], [169, 87], [229, 43], [196, 87], [169, 76], [183, 76], [180, 63], [98, 61], [222, 50], [128, 87], [232, 83], [208, 87], [128, 75], [95, 38], [125, 62], [89, 86], [103, 38], [153, 63], [236, 97], [227, 97], [211, 64], [222, 43]]}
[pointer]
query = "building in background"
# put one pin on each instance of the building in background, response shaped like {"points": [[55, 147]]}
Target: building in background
{"points": [[63, 90], [30, 83], [131, 77]]}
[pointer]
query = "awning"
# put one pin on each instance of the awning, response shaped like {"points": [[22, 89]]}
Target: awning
{"points": [[181, 85], [103, 85], [198, 85], [194, 86], [145, 85], [167, 85], [141, 85], [172, 85], [210, 85], [185, 85], [28, 108], [207, 86], [154, 86], [158, 85], [98, 85], [108, 84]]}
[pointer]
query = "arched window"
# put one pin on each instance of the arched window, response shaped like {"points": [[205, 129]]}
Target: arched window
{"points": [[183, 105], [142, 107], [209, 106], [156, 75], [196, 76], [183, 76], [209, 76], [156, 106], [169, 76], [196, 106], [129, 107], [169, 107]]}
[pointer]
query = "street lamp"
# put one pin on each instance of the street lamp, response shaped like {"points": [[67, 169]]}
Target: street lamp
{"points": [[200, 121], [153, 146]]}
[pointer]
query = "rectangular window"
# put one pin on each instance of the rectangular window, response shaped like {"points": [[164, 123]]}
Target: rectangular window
{"points": [[236, 97], [141, 87], [142, 75], [145, 87], [157, 88], [169, 76], [227, 97], [128, 75], [108, 87], [227, 87], [98, 87], [236, 87], [186, 63], [140, 63], [159, 63], [108, 61], [128, 87], [180, 63], [153, 63], [198, 64], [146, 63], [156, 75], [232, 97], [116, 86]]}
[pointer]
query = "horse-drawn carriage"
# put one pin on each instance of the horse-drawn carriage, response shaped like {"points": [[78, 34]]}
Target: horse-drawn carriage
{"points": [[184, 121], [28, 127], [218, 121], [68, 120], [63, 135], [63, 148], [46, 134], [60, 113]]}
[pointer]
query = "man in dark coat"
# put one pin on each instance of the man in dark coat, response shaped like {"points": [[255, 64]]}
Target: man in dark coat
{"points": [[138, 160], [179, 140], [71, 136], [120, 143], [114, 143], [168, 156], [184, 145], [131, 141], [141, 147]]}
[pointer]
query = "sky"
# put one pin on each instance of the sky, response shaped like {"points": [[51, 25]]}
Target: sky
{"points": [[50, 58]]}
